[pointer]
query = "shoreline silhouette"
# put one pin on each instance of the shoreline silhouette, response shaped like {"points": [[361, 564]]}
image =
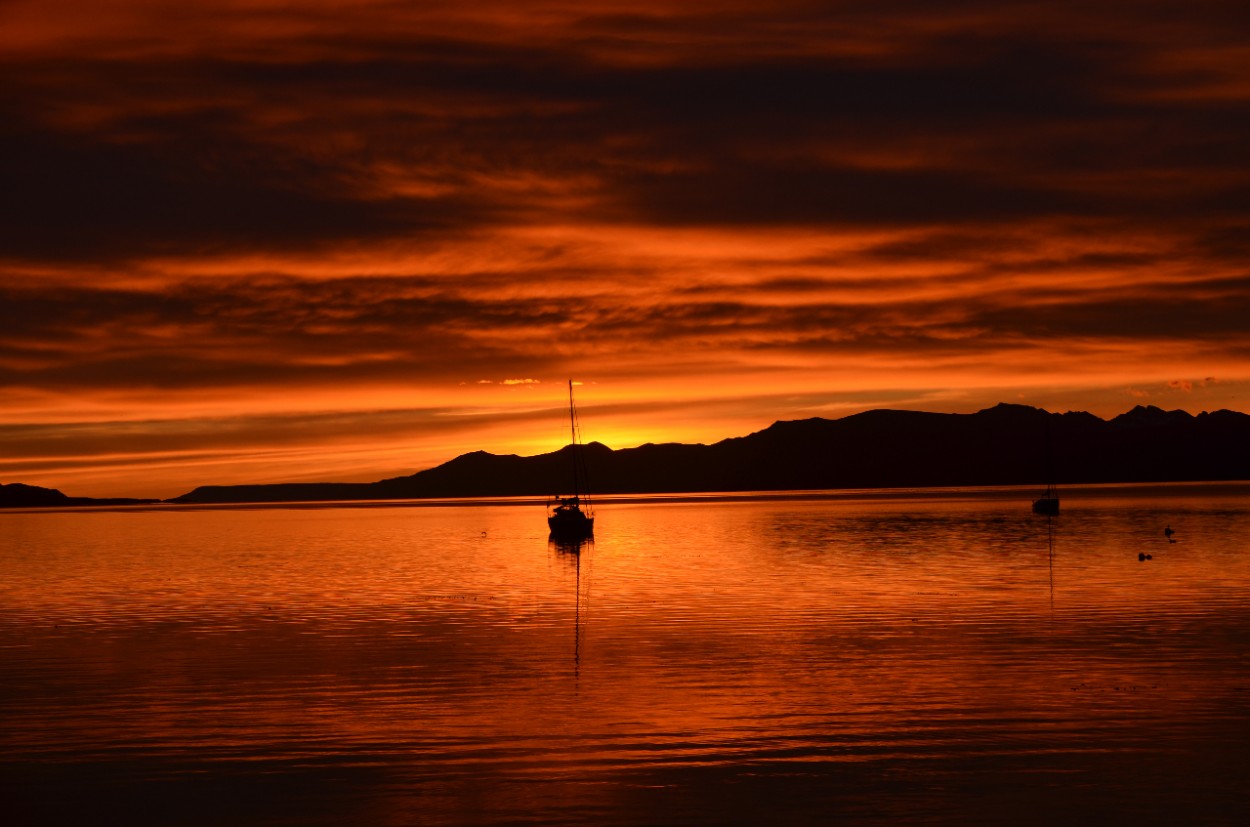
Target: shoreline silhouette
{"points": [[1002, 445]]}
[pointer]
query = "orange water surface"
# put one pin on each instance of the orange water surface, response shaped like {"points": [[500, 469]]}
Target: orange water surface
{"points": [[884, 659]]}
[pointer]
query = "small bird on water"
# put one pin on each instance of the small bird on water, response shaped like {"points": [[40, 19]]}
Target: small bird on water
{"points": [[1168, 532]]}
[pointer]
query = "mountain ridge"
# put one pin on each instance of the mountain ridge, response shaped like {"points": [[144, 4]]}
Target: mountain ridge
{"points": [[20, 495], [1006, 444], [882, 448]]}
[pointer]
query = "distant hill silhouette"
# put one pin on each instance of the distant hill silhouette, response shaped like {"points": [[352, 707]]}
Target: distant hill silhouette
{"points": [[1003, 445], [18, 495]]}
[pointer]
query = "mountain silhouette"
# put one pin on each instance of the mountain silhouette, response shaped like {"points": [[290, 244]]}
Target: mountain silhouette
{"points": [[1004, 445], [19, 495]]}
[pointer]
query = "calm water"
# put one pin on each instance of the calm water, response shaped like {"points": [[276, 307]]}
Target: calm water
{"points": [[874, 660]]}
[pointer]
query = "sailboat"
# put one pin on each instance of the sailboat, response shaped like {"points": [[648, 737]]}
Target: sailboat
{"points": [[571, 518], [1048, 503]]}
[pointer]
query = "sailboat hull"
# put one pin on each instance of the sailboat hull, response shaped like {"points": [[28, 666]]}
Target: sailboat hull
{"points": [[571, 525], [1046, 505]]}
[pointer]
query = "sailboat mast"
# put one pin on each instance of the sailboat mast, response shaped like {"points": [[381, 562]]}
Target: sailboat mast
{"points": [[1050, 471], [573, 441]]}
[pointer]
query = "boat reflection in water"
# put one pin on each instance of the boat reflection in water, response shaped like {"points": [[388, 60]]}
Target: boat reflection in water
{"points": [[572, 552], [570, 545]]}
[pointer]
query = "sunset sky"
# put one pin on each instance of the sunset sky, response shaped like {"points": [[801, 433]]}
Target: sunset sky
{"points": [[270, 240]]}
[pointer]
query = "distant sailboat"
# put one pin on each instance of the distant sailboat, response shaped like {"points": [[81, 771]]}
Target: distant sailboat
{"points": [[1048, 503], [571, 518]]}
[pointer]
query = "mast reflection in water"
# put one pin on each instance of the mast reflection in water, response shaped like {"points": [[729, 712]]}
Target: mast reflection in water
{"points": [[574, 553]]}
